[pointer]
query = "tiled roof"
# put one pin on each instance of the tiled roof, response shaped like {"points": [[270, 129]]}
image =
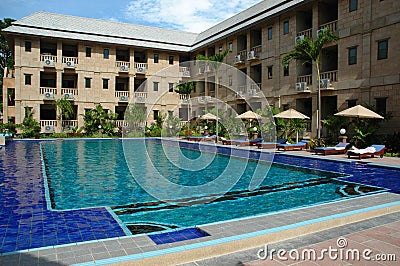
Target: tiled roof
{"points": [[246, 18], [79, 28], [96, 30]]}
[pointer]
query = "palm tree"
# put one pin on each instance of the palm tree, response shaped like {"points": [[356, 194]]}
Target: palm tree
{"points": [[215, 61], [186, 88], [65, 109], [309, 51]]}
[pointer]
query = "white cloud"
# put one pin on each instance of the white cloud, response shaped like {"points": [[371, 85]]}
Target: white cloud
{"points": [[188, 15]]}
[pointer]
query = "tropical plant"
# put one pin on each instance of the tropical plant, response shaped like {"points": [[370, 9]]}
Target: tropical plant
{"points": [[334, 123], [135, 115], [6, 54], [97, 120], [10, 127], [65, 109], [309, 51], [215, 62], [185, 88], [30, 127]]}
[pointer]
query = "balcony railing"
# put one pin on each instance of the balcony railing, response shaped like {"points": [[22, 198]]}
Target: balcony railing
{"points": [[44, 123], [305, 78], [332, 75], [121, 123], [69, 91], [185, 71], [184, 96], [140, 94], [44, 90], [66, 59], [141, 67], [69, 123], [44, 57], [243, 55], [118, 94], [330, 25], [256, 52], [306, 33]]}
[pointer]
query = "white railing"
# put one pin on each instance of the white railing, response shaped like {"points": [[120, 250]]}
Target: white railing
{"points": [[305, 78], [69, 123], [121, 123], [182, 123], [122, 63], [66, 59], [44, 57], [44, 123], [141, 66], [184, 96], [242, 54], [44, 90], [184, 69], [140, 94], [306, 33], [332, 75], [118, 94], [330, 25], [257, 50], [72, 91]]}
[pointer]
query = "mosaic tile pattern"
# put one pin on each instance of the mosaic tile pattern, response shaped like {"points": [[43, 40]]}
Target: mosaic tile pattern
{"points": [[25, 221], [178, 235]]}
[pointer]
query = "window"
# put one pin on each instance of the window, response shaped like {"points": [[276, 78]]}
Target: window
{"points": [[382, 49], [285, 27], [230, 45], [220, 49], [352, 5], [230, 80], [352, 55], [88, 52], [171, 87], [88, 82], [381, 105], [286, 70], [105, 83], [106, 53], [155, 114], [351, 103], [170, 113], [11, 96], [270, 33], [156, 58], [171, 60], [28, 79], [155, 86], [28, 46], [269, 72]]}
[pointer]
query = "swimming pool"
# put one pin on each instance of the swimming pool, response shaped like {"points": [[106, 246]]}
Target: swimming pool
{"points": [[76, 179]]}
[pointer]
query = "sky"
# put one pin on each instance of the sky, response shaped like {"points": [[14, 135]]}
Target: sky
{"points": [[188, 15]]}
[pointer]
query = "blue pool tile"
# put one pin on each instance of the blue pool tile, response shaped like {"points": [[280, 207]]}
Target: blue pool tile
{"points": [[178, 235]]}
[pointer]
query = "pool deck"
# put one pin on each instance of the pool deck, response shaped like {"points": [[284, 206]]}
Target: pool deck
{"points": [[367, 222]]}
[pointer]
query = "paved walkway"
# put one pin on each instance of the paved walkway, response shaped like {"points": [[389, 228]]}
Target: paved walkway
{"points": [[378, 238]]}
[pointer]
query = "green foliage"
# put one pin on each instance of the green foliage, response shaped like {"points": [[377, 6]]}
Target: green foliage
{"points": [[65, 107], [99, 117], [171, 126], [214, 60], [30, 127], [317, 143], [334, 123], [155, 129], [6, 53], [363, 129], [186, 88], [11, 127]]}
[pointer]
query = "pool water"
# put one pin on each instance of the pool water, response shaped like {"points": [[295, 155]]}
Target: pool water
{"points": [[93, 173]]}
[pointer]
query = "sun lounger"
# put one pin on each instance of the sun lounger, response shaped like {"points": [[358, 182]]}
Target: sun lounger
{"points": [[288, 147], [268, 145], [252, 142], [340, 148], [370, 151]]}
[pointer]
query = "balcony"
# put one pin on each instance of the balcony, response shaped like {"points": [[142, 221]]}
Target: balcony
{"points": [[305, 78], [69, 61], [48, 59], [305, 33], [141, 67], [48, 93], [185, 71], [69, 124], [140, 96], [331, 75], [254, 53], [332, 25], [48, 126], [123, 96], [123, 66], [240, 57], [121, 123], [69, 93]]}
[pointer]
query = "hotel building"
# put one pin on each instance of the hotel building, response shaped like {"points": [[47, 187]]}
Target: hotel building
{"points": [[90, 62]]}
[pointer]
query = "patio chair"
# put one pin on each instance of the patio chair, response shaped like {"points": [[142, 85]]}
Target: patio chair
{"points": [[268, 145], [340, 148], [370, 151], [252, 142], [289, 147]]}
